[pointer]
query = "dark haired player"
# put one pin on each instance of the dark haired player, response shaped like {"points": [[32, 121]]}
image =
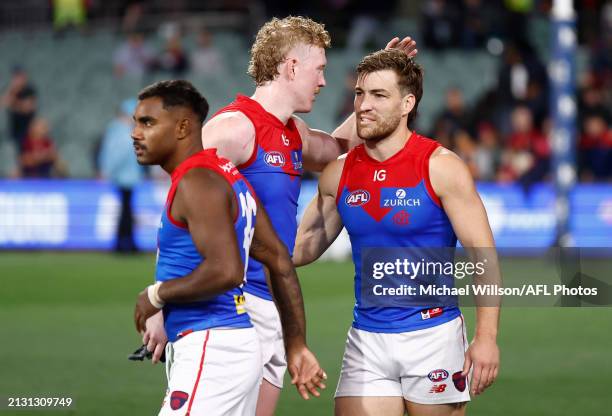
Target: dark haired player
{"points": [[209, 226]]}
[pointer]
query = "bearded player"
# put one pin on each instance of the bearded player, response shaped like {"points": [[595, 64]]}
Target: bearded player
{"points": [[399, 359]]}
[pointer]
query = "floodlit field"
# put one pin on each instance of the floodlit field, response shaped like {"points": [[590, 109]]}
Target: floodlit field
{"points": [[66, 323]]}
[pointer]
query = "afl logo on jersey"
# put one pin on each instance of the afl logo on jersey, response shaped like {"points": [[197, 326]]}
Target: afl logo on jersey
{"points": [[275, 159], [357, 198]]}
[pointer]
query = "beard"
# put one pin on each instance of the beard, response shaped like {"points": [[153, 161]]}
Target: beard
{"points": [[380, 129]]}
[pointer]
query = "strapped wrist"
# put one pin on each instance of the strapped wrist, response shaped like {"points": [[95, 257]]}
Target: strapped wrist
{"points": [[153, 293]]}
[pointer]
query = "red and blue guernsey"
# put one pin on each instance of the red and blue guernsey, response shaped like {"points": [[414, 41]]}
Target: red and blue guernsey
{"points": [[274, 170], [177, 255], [392, 204]]}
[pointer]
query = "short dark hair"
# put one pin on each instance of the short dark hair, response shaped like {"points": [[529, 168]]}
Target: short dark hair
{"points": [[177, 93], [409, 73]]}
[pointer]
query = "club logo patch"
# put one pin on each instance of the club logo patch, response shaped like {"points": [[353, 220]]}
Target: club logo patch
{"points": [[275, 159], [438, 375], [357, 198], [459, 381], [401, 218], [178, 399]]}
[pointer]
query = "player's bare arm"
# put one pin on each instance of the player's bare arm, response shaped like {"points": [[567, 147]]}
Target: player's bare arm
{"points": [[318, 147], [455, 187], [321, 148], [232, 134], [268, 249], [321, 222], [210, 221]]}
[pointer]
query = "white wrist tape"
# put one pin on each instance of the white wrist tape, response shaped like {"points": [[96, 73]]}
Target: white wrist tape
{"points": [[152, 292]]}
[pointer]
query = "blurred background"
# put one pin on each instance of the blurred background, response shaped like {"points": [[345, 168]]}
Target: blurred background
{"points": [[524, 103], [523, 98], [520, 89]]}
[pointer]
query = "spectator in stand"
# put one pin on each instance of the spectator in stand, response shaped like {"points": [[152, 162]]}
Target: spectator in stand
{"points": [[134, 57], [592, 101], [466, 149], [367, 23], [527, 154], [173, 58], [520, 71], [440, 21], [39, 156], [347, 103], [132, 15], [119, 165], [454, 116], [477, 16], [20, 101], [488, 152], [596, 149], [206, 58]]}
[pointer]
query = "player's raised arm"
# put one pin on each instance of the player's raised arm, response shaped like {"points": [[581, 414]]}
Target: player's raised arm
{"points": [[267, 248], [232, 134], [321, 222], [208, 216], [454, 185]]}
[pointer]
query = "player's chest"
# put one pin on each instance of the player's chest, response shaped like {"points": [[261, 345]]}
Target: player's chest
{"points": [[279, 150], [385, 201]]}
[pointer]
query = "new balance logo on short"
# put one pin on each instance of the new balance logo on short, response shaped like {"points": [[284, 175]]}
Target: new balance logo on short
{"points": [[438, 388]]}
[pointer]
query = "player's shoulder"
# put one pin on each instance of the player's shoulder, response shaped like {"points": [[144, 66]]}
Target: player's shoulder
{"points": [[447, 171], [300, 124], [203, 181], [228, 124]]}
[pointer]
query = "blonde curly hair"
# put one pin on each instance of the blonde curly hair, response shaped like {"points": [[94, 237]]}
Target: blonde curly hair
{"points": [[279, 36]]}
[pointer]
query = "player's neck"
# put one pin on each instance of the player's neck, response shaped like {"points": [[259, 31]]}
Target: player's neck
{"points": [[273, 98], [387, 147], [181, 154]]}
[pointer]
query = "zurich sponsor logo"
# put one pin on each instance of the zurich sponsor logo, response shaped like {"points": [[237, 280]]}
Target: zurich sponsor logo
{"points": [[401, 199], [357, 198], [438, 375], [275, 159]]}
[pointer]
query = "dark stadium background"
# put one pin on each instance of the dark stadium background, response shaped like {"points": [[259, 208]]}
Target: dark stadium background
{"points": [[66, 299]]}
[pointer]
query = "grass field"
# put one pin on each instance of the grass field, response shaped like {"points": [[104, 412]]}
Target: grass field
{"points": [[66, 325]]}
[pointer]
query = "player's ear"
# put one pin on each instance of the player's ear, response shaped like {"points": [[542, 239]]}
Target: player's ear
{"points": [[408, 102], [183, 128], [289, 68]]}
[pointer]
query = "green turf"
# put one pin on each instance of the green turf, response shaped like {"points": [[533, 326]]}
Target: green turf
{"points": [[66, 322]]}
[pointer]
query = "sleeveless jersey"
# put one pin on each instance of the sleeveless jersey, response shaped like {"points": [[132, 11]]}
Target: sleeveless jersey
{"points": [[392, 204], [274, 170], [177, 255]]}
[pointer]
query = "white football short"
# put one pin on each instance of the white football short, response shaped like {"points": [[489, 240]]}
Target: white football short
{"points": [[266, 320], [422, 366], [213, 372]]}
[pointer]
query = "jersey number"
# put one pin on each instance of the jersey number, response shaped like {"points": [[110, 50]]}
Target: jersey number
{"points": [[249, 210]]}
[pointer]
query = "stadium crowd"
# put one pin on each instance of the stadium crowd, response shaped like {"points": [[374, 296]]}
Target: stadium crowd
{"points": [[504, 135]]}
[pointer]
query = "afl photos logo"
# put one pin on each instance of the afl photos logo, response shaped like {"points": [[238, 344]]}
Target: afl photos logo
{"points": [[275, 159], [357, 198]]}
